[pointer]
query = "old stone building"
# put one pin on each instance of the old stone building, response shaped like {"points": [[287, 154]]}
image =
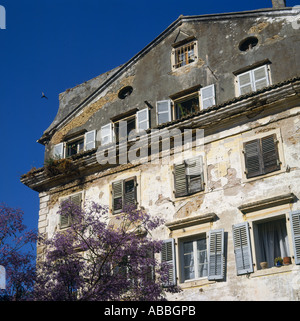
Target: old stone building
{"points": [[230, 203]]}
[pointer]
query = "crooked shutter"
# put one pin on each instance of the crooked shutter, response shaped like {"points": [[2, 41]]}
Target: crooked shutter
{"points": [[207, 96], [168, 256], [129, 190], [142, 119], [106, 134], [270, 154], [180, 180], [58, 151], [90, 140], [194, 172], [117, 193], [216, 259], [242, 248], [295, 225], [253, 158], [163, 110]]}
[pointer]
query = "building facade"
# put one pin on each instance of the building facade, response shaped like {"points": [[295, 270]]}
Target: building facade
{"points": [[231, 202]]}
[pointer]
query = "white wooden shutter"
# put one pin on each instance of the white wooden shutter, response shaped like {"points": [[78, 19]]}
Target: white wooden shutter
{"points": [[207, 96], [295, 226], [260, 77], [245, 83], [242, 248], [106, 134], [216, 258], [90, 140], [142, 119], [168, 256], [163, 110], [58, 151]]}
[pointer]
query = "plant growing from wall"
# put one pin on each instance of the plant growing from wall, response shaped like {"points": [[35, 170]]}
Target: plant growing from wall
{"points": [[97, 259], [55, 167]]}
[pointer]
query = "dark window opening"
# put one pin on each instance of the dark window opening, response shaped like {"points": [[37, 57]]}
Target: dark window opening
{"points": [[125, 92], [186, 106], [75, 147], [128, 124], [248, 43]]}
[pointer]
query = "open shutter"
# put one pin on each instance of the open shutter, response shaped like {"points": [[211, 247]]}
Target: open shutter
{"points": [[58, 151], [295, 225], [106, 134], [90, 140], [117, 191], [195, 176], [245, 83], [207, 96], [163, 110], [168, 256], [242, 248], [260, 77], [130, 192], [142, 119], [216, 259], [180, 180], [253, 160], [270, 154]]}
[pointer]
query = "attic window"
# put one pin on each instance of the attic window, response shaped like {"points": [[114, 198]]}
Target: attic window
{"points": [[248, 44], [125, 92]]}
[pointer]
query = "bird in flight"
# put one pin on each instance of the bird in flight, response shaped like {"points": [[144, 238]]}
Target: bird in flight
{"points": [[43, 96]]}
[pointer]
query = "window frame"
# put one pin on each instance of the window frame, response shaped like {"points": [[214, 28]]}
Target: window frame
{"points": [[181, 46], [69, 197]]}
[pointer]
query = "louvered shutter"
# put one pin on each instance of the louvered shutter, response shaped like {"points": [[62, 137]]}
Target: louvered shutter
{"points": [[242, 248], [168, 256], [260, 77], [195, 176], [130, 192], [76, 199], [270, 154], [117, 191], [58, 151], [142, 119], [253, 160], [295, 226], [163, 110], [216, 259], [180, 180], [245, 83], [90, 140], [207, 96], [64, 220], [106, 134]]}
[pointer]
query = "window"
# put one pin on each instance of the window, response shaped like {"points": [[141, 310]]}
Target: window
{"points": [[186, 105], [253, 80], [184, 54], [65, 220], [189, 177], [248, 44], [194, 259], [124, 193], [128, 124], [74, 147], [261, 156]]}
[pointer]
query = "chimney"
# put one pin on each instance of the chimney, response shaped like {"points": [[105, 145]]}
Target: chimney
{"points": [[278, 4]]}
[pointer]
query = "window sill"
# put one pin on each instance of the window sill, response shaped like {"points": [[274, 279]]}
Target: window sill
{"points": [[195, 283], [273, 270]]}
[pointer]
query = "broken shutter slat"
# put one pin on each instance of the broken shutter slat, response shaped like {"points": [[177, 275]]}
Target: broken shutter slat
{"points": [[216, 259], [242, 248]]}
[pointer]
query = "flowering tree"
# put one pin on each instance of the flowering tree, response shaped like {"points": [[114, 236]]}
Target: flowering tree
{"points": [[15, 255], [100, 259]]}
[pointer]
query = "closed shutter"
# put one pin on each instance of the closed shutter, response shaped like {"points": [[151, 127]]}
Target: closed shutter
{"points": [[76, 199], [106, 134], [130, 192], [295, 225], [117, 191], [253, 160], [163, 110], [142, 119], [270, 154], [180, 180], [242, 248], [168, 256], [194, 172], [207, 96], [58, 151], [90, 140], [216, 259], [65, 220], [245, 83], [260, 77]]}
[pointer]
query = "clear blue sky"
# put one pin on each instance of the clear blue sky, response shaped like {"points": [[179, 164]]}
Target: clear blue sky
{"points": [[53, 45]]}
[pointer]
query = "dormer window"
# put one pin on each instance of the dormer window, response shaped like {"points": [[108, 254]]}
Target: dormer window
{"points": [[184, 53]]}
